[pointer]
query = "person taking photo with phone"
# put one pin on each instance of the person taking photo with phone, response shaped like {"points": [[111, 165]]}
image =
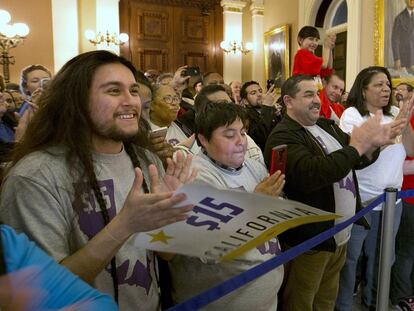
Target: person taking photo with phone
{"points": [[261, 111], [31, 79]]}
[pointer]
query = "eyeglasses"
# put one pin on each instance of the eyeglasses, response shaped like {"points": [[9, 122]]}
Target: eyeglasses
{"points": [[170, 99]]}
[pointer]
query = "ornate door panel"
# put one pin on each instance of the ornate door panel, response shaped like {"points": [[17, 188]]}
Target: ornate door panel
{"points": [[165, 35], [151, 36]]}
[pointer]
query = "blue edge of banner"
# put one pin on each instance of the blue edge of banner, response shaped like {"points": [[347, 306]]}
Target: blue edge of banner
{"points": [[238, 281]]}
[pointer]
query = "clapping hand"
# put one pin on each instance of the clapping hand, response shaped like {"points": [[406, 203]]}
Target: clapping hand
{"points": [[148, 211], [176, 174]]}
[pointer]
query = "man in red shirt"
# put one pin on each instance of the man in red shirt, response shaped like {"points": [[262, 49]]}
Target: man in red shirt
{"points": [[330, 97]]}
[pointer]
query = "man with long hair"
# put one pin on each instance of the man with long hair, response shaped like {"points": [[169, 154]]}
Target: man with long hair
{"points": [[83, 181]]}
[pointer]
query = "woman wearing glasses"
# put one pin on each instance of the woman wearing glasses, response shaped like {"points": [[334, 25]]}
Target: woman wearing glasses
{"points": [[163, 113]]}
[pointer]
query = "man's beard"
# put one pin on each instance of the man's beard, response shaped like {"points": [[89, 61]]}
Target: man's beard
{"points": [[113, 132]]}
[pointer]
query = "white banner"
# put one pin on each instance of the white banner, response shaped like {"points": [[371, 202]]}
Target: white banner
{"points": [[226, 223]]}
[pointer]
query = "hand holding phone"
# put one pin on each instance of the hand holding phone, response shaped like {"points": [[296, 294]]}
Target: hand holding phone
{"points": [[44, 83], [191, 71], [269, 83], [159, 132], [278, 160]]}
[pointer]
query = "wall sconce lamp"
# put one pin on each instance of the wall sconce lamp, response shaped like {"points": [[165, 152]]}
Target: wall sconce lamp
{"points": [[106, 38], [233, 46], [10, 37]]}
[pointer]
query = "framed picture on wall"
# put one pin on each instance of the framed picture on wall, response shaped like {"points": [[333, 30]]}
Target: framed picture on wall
{"points": [[394, 39], [277, 54]]}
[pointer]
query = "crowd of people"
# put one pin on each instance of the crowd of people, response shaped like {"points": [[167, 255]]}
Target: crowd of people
{"points": [[92, 156]]}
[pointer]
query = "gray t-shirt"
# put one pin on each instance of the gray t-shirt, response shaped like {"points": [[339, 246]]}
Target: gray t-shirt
{"points": [[190, 275], [38, 198]]}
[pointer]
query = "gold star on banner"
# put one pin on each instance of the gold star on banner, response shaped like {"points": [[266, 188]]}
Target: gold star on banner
{"points": [[160, 236]]}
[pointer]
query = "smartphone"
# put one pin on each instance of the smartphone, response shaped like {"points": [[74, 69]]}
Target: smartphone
{"points": [[192, 71], [159, 132], [44, 83], [278, 160], [269, 83]]}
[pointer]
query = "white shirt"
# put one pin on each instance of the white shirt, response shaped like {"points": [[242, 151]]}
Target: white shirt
{"points": [[386, 171]]}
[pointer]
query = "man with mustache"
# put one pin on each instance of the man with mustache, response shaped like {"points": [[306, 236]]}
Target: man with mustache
{"points": [[321, 160], [403, 93]]}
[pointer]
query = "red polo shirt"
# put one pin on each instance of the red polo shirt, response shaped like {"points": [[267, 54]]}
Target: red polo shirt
{"points": [[326, 105]]}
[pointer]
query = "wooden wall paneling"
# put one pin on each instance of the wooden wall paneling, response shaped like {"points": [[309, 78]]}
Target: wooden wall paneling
{"points": [[151, 45], [218, 36], [192, 38], [165, 35]]}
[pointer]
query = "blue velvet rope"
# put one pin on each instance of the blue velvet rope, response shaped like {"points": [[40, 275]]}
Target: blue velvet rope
{"points": [[238, 281], [405, 194]]}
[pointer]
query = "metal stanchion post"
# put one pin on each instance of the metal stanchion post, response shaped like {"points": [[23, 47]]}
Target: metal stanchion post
{"points": [[386, 250]]}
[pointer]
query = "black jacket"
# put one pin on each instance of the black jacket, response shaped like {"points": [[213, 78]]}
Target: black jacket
{"points": [[261, 123], [310, 173]]}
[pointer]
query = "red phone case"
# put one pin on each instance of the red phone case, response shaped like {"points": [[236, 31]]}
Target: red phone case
{"points": [[278, 160]]}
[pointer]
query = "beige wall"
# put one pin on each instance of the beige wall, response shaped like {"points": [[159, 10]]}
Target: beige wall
{"points": [[38, 47], [275, 13], [87, 20], [367, 34], [282, 12], [247, 37]]}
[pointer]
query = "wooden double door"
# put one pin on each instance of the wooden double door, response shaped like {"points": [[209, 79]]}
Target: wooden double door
{"points": [[165, 35]]}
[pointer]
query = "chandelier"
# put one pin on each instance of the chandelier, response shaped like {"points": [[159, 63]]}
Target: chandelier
{"points": [[106, 38], [10, 37], [234, 46]]}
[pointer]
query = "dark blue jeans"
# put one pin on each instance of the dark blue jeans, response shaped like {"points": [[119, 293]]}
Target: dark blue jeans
{"points": [[402, 271], [369, 241]]}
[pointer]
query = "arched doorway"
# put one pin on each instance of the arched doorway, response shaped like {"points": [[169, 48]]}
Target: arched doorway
{"points": [[331, 16]]}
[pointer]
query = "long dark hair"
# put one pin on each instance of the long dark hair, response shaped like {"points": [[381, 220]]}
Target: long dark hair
{"points": [[63, 119], [356, 94], [63, 116]]}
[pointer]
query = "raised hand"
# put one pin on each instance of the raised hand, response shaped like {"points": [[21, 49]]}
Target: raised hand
{"points": [[270, 97], [34, 98], [330, 41], [371, 134], [23, 122], [180, 81], [406, 110], [148, 211], [161, 147], [271, 185], [176, 174]]}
